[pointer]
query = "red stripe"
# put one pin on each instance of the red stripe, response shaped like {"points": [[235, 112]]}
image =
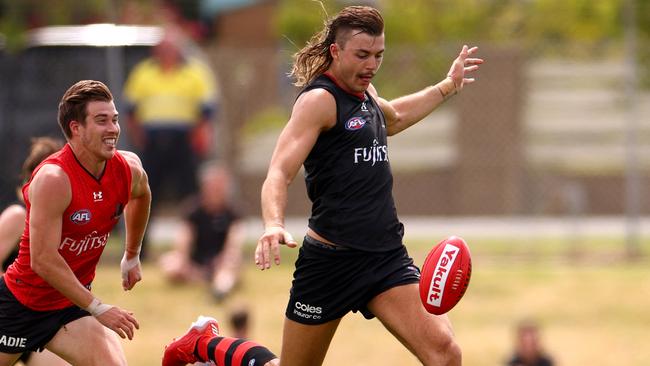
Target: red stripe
{"points": [[241, 351], [361, 96], [202, 347], [222, 348]]}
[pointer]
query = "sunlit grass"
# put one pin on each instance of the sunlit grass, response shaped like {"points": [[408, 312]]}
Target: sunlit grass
{"points": [[592, 311]]}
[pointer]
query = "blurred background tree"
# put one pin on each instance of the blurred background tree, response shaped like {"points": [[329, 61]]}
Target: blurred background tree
{"points": [[422, 22], [524, 22], [556, 24]]}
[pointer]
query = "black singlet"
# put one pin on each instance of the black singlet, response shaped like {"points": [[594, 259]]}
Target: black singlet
{"points": [[348, 176]]}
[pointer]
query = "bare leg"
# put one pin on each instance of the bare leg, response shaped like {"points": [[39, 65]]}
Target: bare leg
{"points": [[427, 336], [45, 358], [86, 342], [306, 345], [8, 359]]}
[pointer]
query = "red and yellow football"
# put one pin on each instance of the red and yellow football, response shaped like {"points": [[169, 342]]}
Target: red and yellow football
{"points": [[445, 275]]}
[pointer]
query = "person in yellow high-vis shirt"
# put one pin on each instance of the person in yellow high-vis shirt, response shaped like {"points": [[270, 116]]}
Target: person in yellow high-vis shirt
{"points": [[171, 99]]}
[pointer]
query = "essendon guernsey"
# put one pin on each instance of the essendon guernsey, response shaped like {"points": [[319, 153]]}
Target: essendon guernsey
{"points": [[95, 208]]}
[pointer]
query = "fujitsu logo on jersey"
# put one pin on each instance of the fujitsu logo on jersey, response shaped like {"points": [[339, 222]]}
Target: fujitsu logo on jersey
{"points": [[90, 241], [437, 288], [372, 154]]}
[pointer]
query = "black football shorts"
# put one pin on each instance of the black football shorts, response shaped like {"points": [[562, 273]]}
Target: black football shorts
{"points": [[329, 281], [23, 329]]}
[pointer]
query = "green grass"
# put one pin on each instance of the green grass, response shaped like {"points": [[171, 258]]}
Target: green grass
{"points": [[593, 309]]}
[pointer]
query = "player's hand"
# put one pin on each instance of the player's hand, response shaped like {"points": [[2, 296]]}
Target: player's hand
{"points": [[120, 321], [269, 245], [462, 65], [131, 272]]}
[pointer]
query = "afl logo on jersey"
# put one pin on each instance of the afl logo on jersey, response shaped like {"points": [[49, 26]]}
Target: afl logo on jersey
{"points": [[355, 123], [81, 217]]}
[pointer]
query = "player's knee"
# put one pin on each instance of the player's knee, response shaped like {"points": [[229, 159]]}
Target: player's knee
{"points": [[106, 348], [454, 354], [445, 352], [449, 352]]}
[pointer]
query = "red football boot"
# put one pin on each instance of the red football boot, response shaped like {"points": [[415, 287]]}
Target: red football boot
{"points": [[181, 351]]}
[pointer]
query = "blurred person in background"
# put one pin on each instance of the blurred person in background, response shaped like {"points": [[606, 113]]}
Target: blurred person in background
{"points": [[12, 225], [12, 218], [208, 246], [171, 102], [353, 257], [74, 199], [528, 349], [240, 322], [203, 343]]}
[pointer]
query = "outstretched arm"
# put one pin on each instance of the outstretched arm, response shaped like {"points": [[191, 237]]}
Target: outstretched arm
{"points": [[405, 111]]}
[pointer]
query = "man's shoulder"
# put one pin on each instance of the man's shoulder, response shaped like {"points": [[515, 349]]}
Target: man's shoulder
{"points": [[145, 64], [131, 160], [51, 170], [52, 181], [195, 67], [130, 157], [316, 95]]}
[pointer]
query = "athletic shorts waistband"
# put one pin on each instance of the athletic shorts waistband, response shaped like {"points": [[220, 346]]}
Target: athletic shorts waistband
{"points": [[321, 244]]}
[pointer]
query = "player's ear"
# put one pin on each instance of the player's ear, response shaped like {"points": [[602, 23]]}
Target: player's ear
{"points": [[334, 51], [74, 126]]}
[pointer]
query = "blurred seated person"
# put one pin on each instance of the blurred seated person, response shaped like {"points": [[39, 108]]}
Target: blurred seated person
{"points": [[208, 245], [528, 349]]}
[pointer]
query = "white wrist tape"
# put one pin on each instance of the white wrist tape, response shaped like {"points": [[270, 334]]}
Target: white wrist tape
{"points": [[128, 264], [96, 308]]}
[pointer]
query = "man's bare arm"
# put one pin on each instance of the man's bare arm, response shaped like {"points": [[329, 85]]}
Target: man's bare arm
{"points": [[312, 113]]}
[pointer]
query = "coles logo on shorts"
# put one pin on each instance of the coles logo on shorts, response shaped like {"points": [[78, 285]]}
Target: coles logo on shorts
{"points": [[81, 217], [355, 123]]}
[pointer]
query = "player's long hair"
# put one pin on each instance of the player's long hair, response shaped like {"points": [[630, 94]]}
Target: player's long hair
{"points": [[315, 58]]}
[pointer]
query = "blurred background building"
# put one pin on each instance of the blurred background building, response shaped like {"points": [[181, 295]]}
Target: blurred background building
{"points": [[557, 124]]}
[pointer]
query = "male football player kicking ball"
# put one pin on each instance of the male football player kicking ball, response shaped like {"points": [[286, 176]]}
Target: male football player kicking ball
{"points": [[202, 343]]}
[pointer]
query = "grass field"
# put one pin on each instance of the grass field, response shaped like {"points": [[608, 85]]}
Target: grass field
{"points": [[593, 308]]}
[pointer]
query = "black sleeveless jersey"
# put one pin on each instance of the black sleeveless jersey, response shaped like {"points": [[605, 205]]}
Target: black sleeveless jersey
{"points": [[348, 176]]}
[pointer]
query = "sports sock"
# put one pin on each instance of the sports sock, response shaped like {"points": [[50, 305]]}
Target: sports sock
{"points": [[227, 351]]}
